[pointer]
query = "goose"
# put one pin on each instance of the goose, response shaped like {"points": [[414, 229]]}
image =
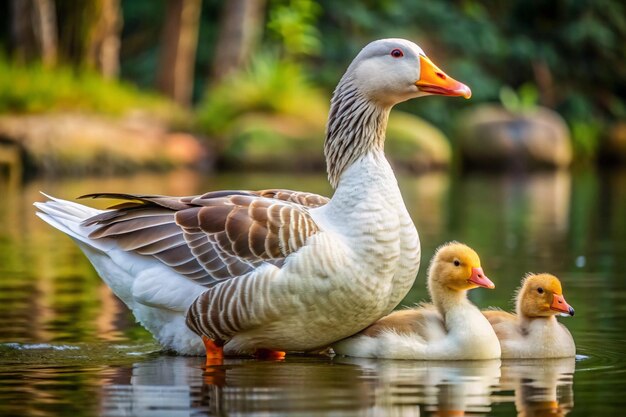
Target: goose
{"points": [[271, 271], [534, 332], [452, 328]]}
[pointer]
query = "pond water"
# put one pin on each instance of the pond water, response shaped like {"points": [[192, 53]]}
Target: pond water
{"points": [[69, 347]]}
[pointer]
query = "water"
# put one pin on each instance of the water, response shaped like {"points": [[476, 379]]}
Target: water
{"points": [[69, 347]]}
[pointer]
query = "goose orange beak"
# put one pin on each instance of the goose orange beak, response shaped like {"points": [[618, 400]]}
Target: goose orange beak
{"points": [[435, 81], [559, 304], [479, 278]]}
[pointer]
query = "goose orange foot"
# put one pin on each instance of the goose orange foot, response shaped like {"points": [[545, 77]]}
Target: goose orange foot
{"points": [[269, 354], [214, 351]]}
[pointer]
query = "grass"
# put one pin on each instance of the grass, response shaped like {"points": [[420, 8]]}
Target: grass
{"points": [[269, 86], [35, 89]]}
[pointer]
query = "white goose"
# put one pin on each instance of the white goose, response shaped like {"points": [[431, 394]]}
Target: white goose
{"points": [[273, 270]]}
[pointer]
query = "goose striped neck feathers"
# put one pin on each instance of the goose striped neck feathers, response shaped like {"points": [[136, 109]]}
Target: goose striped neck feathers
{"points": [[384, 73]]}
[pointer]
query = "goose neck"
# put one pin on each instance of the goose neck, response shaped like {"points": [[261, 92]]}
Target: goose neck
{"points": [[356, 126]]}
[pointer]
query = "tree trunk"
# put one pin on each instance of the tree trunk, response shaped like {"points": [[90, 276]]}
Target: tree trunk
{"points": [[77, 18], [34, 31], [104, 46], [178, 50], [240, 29], [22, 36], [45, 28]]}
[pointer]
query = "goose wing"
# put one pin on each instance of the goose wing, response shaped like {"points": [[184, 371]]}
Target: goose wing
{"points": [[210, 237]]}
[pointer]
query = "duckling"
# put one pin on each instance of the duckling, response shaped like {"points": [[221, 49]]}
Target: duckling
{"points": [[451, 328], [534, 332]]}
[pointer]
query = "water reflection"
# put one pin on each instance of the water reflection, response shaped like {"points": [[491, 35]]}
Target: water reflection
{"points": [[178, 386], [512, 214], [181, 386], [542, 387], [442, 388]]}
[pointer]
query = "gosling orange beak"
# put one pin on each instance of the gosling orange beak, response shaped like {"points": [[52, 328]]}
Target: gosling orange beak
{"points": [[559, 304], [435, 81], [480, 279]]}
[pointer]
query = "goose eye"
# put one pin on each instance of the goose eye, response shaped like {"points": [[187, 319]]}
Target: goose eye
{"points": [[457, 262], [397, 53], [540, 290]]}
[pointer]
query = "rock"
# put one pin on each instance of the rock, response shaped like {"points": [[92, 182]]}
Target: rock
{"points": [[80, 143], [264, 141], [492, 137]]}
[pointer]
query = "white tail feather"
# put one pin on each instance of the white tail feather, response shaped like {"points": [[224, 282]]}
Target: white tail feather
{"points": [[157, 295], [67, 216]]}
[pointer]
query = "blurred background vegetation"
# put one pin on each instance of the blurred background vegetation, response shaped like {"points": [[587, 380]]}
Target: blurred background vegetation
{"points": [[250, 80]]}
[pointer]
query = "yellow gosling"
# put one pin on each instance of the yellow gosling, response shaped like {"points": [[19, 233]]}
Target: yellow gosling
{"points": [[533, 331], [452, 328]]}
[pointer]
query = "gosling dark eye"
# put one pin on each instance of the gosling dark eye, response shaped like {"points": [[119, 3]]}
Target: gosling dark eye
{"points": [[457, 262], [397, 53], [540, 290]]}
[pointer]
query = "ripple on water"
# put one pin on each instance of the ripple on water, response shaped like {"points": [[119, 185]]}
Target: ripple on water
{"points": [[27, 346], [599, 351], [44, 355]]}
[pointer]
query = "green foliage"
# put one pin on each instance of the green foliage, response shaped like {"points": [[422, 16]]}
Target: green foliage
{"points": [[35, 89], [525, 99], [294, 23], [270, 85], [586, 124], [586, 136]]}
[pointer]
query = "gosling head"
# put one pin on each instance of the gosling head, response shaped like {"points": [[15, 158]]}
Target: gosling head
{"points": [[390, 71], [456, 266], [541, 295]]}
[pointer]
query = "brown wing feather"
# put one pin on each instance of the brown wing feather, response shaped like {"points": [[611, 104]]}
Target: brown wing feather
{"points": [[298, 197], [215, 236]]}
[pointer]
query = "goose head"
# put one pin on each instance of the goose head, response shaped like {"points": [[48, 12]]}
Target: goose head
{"points": [[456, 267], [384, 73], [390, 71], [541, 295]]}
